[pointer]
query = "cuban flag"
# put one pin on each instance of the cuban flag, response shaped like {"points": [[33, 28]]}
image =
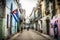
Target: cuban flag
{"points": [[15, 15]]}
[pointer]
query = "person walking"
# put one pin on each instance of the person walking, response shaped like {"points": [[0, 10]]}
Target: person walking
{"points": [[28, 28], [21, 27], [56, 30]]}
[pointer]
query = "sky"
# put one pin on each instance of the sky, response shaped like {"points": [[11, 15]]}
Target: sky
{"points": [[28, 6]]}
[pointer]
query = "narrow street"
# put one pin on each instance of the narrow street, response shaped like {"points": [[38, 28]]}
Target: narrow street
{"points": [[42, 17], [29, 35]]}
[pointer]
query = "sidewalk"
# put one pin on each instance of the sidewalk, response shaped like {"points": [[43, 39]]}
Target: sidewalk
{"points": [[14, 36], [49, 37], [44, 35]]}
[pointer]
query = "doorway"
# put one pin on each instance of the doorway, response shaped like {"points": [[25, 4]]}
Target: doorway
{"points": [[47, 25]]}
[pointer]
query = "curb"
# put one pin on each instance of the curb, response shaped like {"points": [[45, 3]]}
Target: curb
{"points": [[15, 35], [43, 35]]}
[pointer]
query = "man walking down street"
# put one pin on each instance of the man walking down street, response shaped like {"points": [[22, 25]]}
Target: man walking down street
{"points": [[56, 30]]}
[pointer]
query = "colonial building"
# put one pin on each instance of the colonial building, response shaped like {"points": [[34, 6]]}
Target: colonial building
{"points": [[8, 21], [43, 13]]}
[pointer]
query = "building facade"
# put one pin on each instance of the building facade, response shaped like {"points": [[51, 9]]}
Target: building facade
{"points": [[2, 18], [45, 14], [8, 23]]}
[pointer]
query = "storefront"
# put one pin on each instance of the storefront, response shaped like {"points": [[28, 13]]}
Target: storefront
{"points": [[52, 26]]}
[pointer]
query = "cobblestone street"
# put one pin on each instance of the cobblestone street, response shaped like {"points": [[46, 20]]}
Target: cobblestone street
{"points": [[29, 35], [38, 19]]}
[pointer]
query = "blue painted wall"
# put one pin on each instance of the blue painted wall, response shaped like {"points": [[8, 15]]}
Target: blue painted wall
{"points": [[8, 11]]}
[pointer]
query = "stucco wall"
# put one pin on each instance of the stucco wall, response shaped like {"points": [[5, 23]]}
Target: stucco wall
{"points": [[44, 26]]}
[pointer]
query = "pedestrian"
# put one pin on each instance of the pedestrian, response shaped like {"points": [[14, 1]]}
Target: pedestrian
{"points": [[21, 27], [56, 30], [28, 28]]}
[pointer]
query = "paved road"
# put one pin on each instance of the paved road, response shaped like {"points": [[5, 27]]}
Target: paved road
{"points": [[29, 35]]}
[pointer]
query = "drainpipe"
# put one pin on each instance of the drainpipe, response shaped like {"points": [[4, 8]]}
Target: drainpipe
{"points": [[11, 19]]}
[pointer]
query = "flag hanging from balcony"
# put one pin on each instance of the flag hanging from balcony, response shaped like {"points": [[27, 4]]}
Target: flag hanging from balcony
{"points": [[15, 15]]}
